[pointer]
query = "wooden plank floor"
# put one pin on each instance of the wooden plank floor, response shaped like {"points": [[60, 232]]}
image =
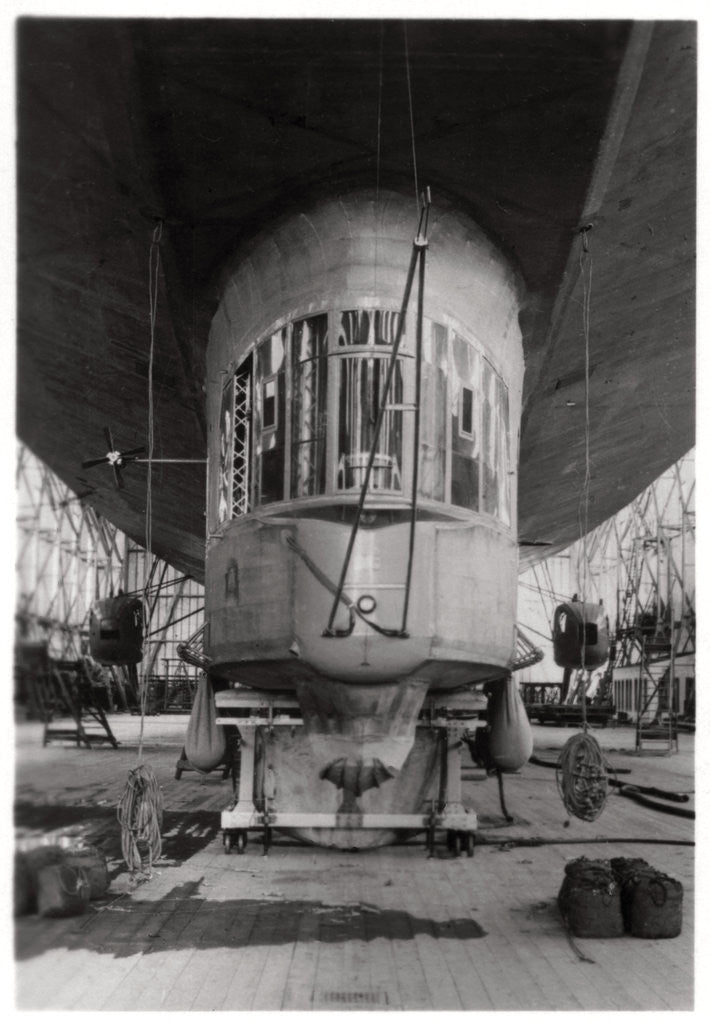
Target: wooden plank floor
{"points": [[308, 928]]}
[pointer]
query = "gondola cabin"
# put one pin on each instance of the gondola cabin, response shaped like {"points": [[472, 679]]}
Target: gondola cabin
{"points": [[364, 393]]}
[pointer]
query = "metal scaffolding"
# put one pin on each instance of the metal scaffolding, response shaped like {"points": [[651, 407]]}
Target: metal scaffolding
{"points": [[69, 557], [641, 564]]}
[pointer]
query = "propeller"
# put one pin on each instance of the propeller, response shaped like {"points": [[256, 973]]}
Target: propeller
{"points": [[114, 458]]}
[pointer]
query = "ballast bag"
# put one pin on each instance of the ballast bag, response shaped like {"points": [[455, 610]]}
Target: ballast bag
{"points": [[651, 902], [62, 891], [205, 742], [656, 907], [28, 864], [510, 742], [92, 862], [24, 896], [590, 900]]}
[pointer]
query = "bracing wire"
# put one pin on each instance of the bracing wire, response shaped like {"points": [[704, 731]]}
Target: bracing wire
{"points": [[411, 115], [153, 277], [379, 149], [585, 262], [581, 770], [379, 114], [140, 810]]}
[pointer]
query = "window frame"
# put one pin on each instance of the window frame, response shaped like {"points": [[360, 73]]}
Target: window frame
{"points": [[326, 441]]}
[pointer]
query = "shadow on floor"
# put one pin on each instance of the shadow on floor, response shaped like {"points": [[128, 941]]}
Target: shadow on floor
{"points": [[182, 919]]}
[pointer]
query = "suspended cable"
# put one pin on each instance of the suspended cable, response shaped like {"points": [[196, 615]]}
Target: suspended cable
{"points": [[379, 115], [379, 142], [411, 116], [581, 770], [418, 248], [585, 260], [543, 636], [153, 277], [140, 811], [175, 622]]}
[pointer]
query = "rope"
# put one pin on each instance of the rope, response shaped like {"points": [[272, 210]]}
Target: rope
{"points": [[581, 770], [140, 813], [411, 115], [153, 269], [379, 148], [581, 777], [329, 629], [501, 796], [140, 810]]}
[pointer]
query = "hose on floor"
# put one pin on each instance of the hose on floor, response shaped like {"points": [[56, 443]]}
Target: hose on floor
{"points": [[504, 841]]}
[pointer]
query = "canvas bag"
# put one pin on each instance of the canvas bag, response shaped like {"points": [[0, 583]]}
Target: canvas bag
{"points": [[510, 739], [205, 742]]}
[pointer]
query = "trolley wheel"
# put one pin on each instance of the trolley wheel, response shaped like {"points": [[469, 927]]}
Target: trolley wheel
{"points": [[456, 844], [228, 841], [470, 844], [241, 842]]}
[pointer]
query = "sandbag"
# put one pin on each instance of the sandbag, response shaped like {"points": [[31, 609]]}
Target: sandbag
{"points": [[93, 863], [62, 891], [28, 864], [205, 742], [651, 902], [24, 893], [510, 741], [590, 900]]}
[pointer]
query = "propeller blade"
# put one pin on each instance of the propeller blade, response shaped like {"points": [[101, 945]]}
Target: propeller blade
{"points": [[109, 438], [132, 453], [117, 475], [88, 463]]}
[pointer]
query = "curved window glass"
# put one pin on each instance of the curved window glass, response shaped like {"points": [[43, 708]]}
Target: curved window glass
{"points": [[367, 327], [432, 440], [465, 399], [309, 408], [361, 388], [495, 476], [270, 418], [298, 417], [362, 380]]}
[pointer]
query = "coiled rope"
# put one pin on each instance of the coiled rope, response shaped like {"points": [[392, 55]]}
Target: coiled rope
{"points": [[581, 770], [140, 813], [140, 810], [581, 777]]}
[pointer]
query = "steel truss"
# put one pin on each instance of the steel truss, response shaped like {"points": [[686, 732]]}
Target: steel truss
{"points": [[69, 557]]}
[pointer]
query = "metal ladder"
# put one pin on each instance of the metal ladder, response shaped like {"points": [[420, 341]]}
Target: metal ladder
{"points": [[658, 736]]}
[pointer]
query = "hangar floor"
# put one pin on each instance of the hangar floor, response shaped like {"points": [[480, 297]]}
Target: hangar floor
{"points": [[316, 929]]}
